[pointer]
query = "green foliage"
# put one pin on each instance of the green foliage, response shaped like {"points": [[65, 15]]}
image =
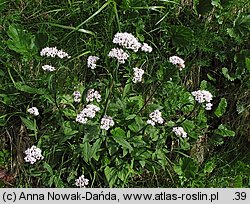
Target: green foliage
{"points": [[221, 109], [21, 42]]}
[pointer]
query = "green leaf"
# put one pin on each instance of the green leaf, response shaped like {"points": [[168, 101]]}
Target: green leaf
{"points": [[216, 3], [69, 113], [30, 124], [181, 36], [238, 181], [129, 117], [203, 85], [187, 167], [226, 74], [118, 132], [221, 109], [209, 167], [223, 131], [111, 175], [248, 64], [119, 135], [25, 88], [21, 41], [48, 168], [188, 125], [85, 147], [95, 148]]}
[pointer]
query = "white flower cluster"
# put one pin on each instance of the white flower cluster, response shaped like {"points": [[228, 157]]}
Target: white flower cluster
{"points": [[53, 52], [127, 40], [81, 182], [146, 48], [92, 94], [119, 54], [48, 68], [107, 122], [77, 96], [33, 154], [155, 117], [178, 62], [88, 112], [33, 111], [179, 131], [91, 62], [137, 75], [202, 96]]}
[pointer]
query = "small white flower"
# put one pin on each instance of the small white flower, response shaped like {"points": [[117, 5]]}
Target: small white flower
{"points": [[77, 96], [33, 111], [207, 96], [155, 117], [88, 112], [48, 68], [91, 62], [107, 122], [179, 131], [137, 75], [119, 54], [127, 40], [81, 182], [202, 96], [33, 154], [92, 94], [81, 119], [150, 122], [178, 62], [209, 106], [146, 48], [53, 52]]}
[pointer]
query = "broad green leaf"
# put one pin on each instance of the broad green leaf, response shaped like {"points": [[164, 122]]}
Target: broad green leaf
{"points": [[221, 109], [21, 41], [209, 167], [111, 175], [48, 168], [118, 132], [189, 167], [30, 124], [68, 131], [25, 88], [181, 36], [123, 173], [188, 125], [171, 123], [223, 131], [119, 135], [69, 113], [123, 142]]}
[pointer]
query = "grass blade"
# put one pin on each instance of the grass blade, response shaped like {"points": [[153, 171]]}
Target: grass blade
{"points": [[72, 28]]}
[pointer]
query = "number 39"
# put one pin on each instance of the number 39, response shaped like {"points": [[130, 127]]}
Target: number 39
{"points": [[240, 196]]}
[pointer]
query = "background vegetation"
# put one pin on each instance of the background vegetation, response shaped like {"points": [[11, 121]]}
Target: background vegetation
{"points": [[212, 36]]}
